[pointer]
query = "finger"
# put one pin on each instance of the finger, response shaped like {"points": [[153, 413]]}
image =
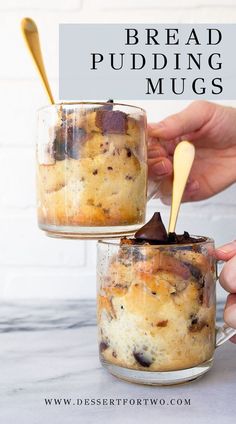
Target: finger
{"points": [[191, 191], [230, 311], [166, 186], [227, 276], [226, 252], [156, 151], [233, 339], [168, 145], [152, 142], [166, 200], [159, 167], [187, 121]]}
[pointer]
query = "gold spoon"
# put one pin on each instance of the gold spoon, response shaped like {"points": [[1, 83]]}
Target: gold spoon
{"points": [[31, 36], [183, 159]]}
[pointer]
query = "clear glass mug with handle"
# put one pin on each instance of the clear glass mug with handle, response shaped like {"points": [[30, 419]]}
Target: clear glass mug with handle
{"points": [[91, 169], [156, 310]]}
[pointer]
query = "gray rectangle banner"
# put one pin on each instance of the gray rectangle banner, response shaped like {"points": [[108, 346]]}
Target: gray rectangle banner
{"points": [[147, 61]]}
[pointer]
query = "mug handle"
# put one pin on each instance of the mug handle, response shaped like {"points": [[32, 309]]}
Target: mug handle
{"points": [[153, 190], [224, 333]]}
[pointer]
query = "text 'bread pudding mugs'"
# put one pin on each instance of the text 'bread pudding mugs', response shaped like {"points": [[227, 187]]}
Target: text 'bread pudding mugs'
{"points": [[156, 305], [91, 169]]}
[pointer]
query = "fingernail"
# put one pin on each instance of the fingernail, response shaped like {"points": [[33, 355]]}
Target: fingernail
{"points": [[160, 168]]}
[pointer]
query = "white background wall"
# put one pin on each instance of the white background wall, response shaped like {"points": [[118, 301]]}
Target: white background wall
{"points": [[33, 265]]}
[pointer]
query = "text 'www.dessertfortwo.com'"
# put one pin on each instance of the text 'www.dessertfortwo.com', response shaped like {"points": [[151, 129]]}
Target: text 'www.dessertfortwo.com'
{"points": [[83, 402]]}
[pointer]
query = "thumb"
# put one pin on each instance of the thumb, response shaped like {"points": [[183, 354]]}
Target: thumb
{"points": [[185, 122], [226, 252]]}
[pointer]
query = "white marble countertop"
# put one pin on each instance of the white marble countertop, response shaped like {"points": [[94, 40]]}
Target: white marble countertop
{"points": [[49, 350]]}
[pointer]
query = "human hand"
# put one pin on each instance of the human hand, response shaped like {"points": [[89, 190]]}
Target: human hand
{"points": [[227, 279], [212, 129]]}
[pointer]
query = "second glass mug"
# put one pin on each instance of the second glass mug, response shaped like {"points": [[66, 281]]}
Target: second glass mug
{"points": [[156, 311], [91, 169]]}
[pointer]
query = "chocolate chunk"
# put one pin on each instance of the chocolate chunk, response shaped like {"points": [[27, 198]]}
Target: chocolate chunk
{"points": [[162, 323], [142, 359], [179, 238], [59, 144], [172, 238], [59, 150], [76, 136], [153, 230], [68, 141], [103, 346], [198, 326], [137, 256], [129, 153], [201, 296], [194, 318], [111, 121], [128, 256], [183, 238], [196, 272]]}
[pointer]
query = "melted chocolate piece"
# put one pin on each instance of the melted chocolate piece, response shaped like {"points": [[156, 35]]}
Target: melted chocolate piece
{"points": [[154, 233], [162, 323], [141, 359], [196, 273], [76, 138], [59, 150], [103, 346], [197, 326], [129, 256], [182, 238], [68, 141], [59, 144], [154, 230]]}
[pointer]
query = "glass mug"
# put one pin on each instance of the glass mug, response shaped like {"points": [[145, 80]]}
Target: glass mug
{"points": [[156, 311], [91, 169]]}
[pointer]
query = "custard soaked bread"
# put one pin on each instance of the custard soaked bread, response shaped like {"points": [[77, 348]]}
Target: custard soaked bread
{"points": [[92, 169], [156, 305]]}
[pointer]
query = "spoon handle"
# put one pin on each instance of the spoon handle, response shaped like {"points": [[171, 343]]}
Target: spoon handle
{"points": [[31, 37], [183, 159]]}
